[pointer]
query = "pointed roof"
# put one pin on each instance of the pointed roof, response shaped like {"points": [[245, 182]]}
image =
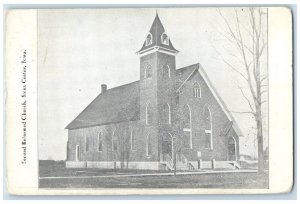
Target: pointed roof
{"points": [[156, 30]]}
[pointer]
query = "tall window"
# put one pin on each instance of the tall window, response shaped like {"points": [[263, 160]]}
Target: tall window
{"points": [[77, 153], [208, 128], [164, 39], [166, 114], [100, 142], [148, 145], [197, 90], [132, 140], [148, 114], [87, 143], [114, 142], [148, 71], [231, 149], [166, 71], [149, 39], [186, 122]]}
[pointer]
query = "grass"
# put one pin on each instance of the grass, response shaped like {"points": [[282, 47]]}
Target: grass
{"points": [[219, 180]]}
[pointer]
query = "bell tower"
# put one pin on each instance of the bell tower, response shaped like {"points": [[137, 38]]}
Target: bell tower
{"points": [[157, 79]]}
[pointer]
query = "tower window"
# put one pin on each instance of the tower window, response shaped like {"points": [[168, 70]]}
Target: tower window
{"points": [[164, 39], [166, 117], [149, 39], [148, 114], [148, 71], [197, 90], [166, 71]]}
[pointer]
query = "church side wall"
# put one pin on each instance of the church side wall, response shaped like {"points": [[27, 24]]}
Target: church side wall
{"points": [[87, 140], [219, 122]]}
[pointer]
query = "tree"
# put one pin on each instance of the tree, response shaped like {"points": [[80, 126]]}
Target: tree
{"points": [[246, 33]]}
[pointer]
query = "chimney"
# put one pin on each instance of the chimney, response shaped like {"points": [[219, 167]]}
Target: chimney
{"points": [[103, 88]]}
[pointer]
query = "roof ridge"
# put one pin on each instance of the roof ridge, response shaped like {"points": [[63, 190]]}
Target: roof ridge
{"points": [[198, 63]]}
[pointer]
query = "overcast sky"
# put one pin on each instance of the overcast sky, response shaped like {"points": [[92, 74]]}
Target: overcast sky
{"points": [[78, 50]]}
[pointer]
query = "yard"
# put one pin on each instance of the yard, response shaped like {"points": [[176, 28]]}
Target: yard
{"points": [[55, 175]]}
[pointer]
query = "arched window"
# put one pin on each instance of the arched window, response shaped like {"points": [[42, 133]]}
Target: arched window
{"points": [[148, 145], [148, 114], [166, 71], [149, 39], [186, 122], [231, 149], [166, 114], [87, 147], [208, 127], [197, 90], [148, 71], [100, 142], [114, 141], [164, 39], [132, 140], [77, 153]]}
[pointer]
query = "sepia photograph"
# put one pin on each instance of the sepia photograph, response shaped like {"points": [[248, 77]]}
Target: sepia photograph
{"points": [[150, 98]]}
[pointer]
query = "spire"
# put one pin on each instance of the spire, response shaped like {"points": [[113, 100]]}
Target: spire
{"points": [[155, 36]]}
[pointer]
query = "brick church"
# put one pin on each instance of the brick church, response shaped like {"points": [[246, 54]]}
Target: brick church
{"points": [[171, 117]]}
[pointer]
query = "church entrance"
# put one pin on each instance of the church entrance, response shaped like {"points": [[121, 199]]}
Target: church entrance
{"points": [[167, 148]]}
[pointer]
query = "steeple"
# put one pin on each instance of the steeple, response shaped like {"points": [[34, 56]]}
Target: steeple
{"points": [[157, 38]]}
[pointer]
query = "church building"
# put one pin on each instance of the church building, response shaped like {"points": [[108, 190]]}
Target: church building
{"points": [[171, 117]]}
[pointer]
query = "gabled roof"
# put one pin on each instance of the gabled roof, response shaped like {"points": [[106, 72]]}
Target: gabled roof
{"points": [[122, 103], [183, 72], [156, 30], [115, 105]]}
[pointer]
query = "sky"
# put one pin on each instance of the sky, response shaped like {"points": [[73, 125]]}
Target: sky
{"points": [[78, 50]]}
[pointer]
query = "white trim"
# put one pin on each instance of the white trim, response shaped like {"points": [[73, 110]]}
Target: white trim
{"points": [[156, 49], [131, 140], [77, 153], [216, 96], [211, 127], [212, 89], [161, 39], [170, 121], [197, 90], [190, 127]]}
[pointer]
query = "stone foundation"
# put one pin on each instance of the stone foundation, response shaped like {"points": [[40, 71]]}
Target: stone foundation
{"points": [[112, 165]]}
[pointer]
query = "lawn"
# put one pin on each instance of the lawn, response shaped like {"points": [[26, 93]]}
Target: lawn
{"points": [[81, 179]]}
